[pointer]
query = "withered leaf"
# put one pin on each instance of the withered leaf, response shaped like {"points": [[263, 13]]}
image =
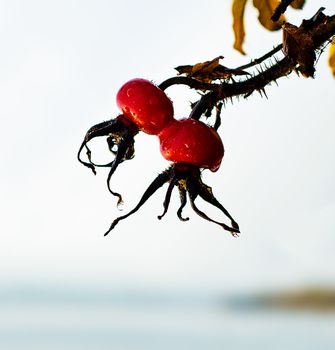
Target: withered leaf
{"points": [[206, 67], [282, 6], [238, 24], [331, 60], [298, 45], [270, 16], [209, 70], [298, 4], [266, 9]]}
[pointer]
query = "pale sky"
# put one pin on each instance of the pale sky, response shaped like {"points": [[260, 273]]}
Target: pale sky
{"points": [[61, 66]]}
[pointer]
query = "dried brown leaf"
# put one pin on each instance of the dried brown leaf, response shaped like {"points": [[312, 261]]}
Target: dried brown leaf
{"points": [[205, 68], [238, 24], [266, 9], [298, 45], [209, 70]]}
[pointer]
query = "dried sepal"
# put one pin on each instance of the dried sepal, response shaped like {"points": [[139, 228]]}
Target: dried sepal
{"points": [[120, 139], [187, 178], [158, 182]]}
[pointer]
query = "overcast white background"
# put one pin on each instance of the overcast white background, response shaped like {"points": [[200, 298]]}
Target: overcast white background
{"points": [[61, 65]]}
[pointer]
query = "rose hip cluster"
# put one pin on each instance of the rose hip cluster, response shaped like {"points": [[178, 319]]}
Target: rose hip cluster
{"points": [[188, 143]]}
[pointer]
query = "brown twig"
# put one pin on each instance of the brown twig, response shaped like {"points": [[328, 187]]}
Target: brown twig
{"points": [[280, 9]]}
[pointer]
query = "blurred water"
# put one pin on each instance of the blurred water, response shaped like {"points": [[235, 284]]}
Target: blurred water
{"points": [[50, 319]]}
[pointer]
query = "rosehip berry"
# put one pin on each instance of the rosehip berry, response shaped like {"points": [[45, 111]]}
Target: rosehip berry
{"points": [[193, 142], [188, 143], [146, 105]]}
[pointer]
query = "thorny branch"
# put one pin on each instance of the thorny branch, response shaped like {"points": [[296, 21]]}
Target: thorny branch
{"points": [[216, 84], [320, 30], [263, 58]]}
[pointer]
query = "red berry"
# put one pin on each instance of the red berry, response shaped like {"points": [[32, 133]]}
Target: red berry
{"points": [[146, 105], [193, 142]]}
